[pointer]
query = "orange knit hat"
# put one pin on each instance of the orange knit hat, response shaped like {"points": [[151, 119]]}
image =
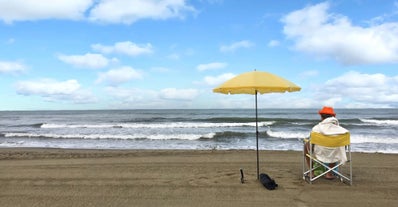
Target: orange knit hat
{"points": [[327, 110]]}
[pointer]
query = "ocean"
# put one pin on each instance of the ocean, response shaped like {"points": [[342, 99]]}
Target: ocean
{"points": [[372, 130]]}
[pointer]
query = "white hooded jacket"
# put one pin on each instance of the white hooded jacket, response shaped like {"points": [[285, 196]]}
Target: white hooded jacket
{"points": [[330, 126]]}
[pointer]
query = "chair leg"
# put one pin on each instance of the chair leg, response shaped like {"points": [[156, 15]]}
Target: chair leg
{"points": [[350, 160], [309, 168], [306, 166]]}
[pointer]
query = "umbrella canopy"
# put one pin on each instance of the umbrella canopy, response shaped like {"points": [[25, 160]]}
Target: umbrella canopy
{"points": [[256, 82], [253, 83]]}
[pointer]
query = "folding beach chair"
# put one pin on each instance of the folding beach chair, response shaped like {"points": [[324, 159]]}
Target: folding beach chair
{"points": [[342, 172]]}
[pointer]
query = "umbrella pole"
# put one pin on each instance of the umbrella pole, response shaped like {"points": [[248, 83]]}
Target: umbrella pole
{"points": [[258, 164]]}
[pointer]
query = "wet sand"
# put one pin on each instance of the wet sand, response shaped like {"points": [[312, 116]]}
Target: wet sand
{"points": [[59, 177]]}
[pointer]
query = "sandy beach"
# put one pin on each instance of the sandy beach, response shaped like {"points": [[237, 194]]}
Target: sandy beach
{"points": [[59, 177]]}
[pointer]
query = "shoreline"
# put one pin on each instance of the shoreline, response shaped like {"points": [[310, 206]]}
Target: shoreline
{"points": [[116, 151], [98, 177]]}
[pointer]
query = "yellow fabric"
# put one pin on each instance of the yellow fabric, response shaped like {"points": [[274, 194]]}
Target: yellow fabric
{"points": [[330, 140], [262, 82]]}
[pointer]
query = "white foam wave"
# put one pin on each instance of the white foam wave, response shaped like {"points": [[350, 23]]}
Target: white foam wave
{"points": [[380, 122], [156, 125], [113, 136], [287, 135], [12, 144], [209, 135], [373, 139]]}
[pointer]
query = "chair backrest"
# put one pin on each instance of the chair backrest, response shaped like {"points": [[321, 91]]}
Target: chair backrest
{"points": [[330, 140]]}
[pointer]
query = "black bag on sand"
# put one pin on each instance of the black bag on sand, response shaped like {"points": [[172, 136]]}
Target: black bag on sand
{"points": [[268, 182]]}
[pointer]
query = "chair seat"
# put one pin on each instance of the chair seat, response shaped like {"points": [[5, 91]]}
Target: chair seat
{"points": [[339, 170]]}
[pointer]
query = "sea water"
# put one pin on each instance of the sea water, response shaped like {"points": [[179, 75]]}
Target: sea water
{"points": [[372, 130]]}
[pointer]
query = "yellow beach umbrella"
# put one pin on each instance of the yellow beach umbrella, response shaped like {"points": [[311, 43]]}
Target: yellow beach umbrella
{"points": [[256, 82]]}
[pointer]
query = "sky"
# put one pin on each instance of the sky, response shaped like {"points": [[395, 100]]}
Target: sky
{"points": [[170, 54]]}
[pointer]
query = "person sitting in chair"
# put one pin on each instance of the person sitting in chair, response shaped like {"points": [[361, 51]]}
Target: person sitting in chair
{"points": [[328, 126]]}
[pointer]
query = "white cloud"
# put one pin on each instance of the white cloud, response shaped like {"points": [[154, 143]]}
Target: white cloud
{"points": [[120, 92], [285, 100], [211, 66], [28, 10], [11, 67], [88, 60], [309, 74], [128, 12], [178, 94], [103, 11], [131, 95], [125, 48], [47, 87], [273, 43], [144, 98], [212, 81], [236, 45], [361, 89], [119, 76], [328, 35], [53, 90]]}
